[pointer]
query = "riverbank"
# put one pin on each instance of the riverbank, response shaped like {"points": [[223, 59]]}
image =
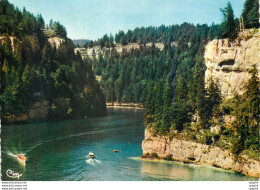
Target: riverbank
{"points": [[125, 105], [162, 147]]}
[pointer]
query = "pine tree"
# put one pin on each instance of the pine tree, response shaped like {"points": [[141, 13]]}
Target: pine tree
{"points": [[252, 94], [214, 97], [228, 26], [251, 14]]}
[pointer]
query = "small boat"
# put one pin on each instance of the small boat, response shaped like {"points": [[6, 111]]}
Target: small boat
{"points": [[91, 155], [21, 157], [115, 150]]}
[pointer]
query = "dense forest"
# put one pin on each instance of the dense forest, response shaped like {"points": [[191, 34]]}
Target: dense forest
{"points": [[127, 77], [33, 71], [170, 83]]}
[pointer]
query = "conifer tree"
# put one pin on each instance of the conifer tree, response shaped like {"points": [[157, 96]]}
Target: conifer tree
{"points": [[228, 26], [251, 14], [252, 94]]}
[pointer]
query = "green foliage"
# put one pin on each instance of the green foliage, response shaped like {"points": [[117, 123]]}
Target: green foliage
{"points": [[16, 23], [170, 83], [163, 34], [245, 109], [252, 93], [229, 25], [169, 157], [154, 155], [251, 14], [55, 29], [33, 71]]}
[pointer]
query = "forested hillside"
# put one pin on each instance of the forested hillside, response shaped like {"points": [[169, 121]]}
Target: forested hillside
{"points": [[126, 77], [41, 73]]}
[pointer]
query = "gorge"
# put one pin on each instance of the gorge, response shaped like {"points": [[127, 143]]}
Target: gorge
{"points": [[176, 102]]}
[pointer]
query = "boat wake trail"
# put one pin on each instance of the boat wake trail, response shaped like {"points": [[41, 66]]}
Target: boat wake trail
{"points": [[9, 153], [40, 143], [93, 162]]}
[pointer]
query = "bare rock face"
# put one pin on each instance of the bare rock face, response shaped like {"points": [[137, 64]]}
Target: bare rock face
{"points": [[56, 42], [192, 152], [96, 50], [15, 44], [228, 63]]}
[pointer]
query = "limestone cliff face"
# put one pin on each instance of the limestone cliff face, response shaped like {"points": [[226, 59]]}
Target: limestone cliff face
{"points": [[192, 152], [14, 42], [56, 41], [229, 63], [96, 50]]}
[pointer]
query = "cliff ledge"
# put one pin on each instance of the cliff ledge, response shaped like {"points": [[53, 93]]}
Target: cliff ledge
{"points": [[201, 154]]}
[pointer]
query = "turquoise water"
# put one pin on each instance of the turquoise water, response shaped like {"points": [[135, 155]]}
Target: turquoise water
{"points": [[57, 151]]}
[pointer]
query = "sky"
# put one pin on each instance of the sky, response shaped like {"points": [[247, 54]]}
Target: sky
{"points": [[91, 19]]}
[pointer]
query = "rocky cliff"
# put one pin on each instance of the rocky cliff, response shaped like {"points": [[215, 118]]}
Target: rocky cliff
{"points": [[191, 152], [228, 63], [56, 41], [96, 50]]}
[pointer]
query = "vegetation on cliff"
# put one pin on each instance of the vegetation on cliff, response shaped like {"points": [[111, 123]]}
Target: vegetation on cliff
{"points": [[245, 109], [33, 70], [230, 26], [251, 14]]}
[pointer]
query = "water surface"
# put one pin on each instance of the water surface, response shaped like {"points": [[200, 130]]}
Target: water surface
{"points": [[58, 150]]}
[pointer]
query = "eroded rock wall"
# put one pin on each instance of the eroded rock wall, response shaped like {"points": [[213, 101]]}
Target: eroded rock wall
{"points": [[96, 50], [228, 63], [56, 41], [188, 151]]}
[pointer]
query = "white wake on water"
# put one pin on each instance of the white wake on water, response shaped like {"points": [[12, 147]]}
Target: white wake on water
{"points": [[93, 162], [9, 153]]}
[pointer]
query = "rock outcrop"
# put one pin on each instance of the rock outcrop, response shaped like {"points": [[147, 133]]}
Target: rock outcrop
{"points": [[56, 41], [14, 42], [96, 50], [228, 63], [192, 152]]}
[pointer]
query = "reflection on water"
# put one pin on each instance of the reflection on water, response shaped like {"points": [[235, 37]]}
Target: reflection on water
{"points": [[57, 151], [164, 170], [170, 170]]}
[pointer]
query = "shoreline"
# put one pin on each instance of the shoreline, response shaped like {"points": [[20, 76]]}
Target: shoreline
{"points": [[190, 164], [189, 152], [30, 121]]}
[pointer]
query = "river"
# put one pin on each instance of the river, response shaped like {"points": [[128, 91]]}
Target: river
{"points": [[57, 151]]}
